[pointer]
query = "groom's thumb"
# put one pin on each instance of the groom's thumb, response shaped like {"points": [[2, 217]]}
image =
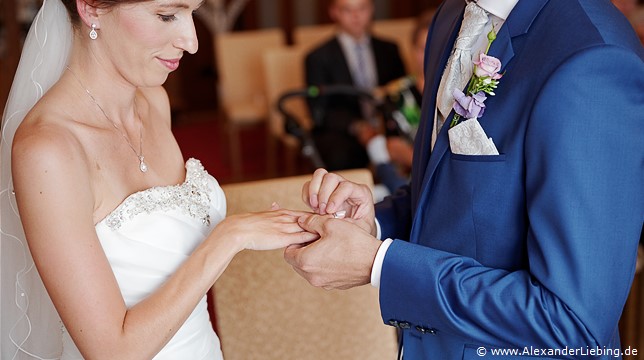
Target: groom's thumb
{"points": [[312, 223]]}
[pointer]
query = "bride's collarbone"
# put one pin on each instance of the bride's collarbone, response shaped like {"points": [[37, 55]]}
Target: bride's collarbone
{"points": [[113, 183]]}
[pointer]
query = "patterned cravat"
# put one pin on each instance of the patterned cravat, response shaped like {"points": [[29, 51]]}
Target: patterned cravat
{"points": [[459, 65]]}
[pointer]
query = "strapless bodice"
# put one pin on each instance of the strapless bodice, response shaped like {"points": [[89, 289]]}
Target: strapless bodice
{"points": [[149, 235]]}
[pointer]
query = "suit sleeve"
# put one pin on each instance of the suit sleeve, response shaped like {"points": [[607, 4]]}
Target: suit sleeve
{"points": [[394, 214], [584, 180]]}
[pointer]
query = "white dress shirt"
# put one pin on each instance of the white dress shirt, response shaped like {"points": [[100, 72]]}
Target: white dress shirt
{"points": [[498, 10], [368, 67]]}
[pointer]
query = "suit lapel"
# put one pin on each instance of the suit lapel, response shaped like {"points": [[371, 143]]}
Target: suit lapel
{"points": [[502, 48], [518, 23], [341, 63], [439, 40], [379, 57]]}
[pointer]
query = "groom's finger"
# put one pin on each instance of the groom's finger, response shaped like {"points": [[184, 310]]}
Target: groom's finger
{"points": [[313, 223], [327, 187], [311, 188], [307, 197], [292, 252], [344, 191]]}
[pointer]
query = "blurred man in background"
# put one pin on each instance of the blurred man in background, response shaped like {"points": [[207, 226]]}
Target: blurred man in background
{"points": [[352, 57]]}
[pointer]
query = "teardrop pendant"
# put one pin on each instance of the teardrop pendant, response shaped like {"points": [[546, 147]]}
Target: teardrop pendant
{"points": [[142, 166]]}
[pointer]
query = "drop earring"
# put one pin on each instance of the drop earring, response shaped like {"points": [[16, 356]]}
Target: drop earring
{"points": [[93, 34]]}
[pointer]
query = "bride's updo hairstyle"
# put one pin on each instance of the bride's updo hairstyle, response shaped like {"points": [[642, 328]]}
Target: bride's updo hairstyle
{"points": [[72, 10]]}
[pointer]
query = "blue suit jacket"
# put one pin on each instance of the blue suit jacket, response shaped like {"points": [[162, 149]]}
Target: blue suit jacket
{"points": [[534, 247]]}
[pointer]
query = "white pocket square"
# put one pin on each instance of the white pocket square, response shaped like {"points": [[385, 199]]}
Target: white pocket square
{"points": [[469, 138]]}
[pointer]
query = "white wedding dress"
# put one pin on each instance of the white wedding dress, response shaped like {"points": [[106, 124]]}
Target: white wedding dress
{"points": [[147, 237]]}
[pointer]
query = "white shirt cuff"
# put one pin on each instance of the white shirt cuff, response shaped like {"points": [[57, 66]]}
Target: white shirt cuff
{"points": [[376, 269]]}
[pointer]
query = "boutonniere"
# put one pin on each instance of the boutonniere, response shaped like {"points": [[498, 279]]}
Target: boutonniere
{"points": [[485, 79]]}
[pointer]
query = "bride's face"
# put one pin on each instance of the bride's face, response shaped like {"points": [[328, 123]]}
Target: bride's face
{"points": [[146, 40]]}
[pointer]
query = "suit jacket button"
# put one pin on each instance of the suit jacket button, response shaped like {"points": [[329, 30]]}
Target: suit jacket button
{"points": [[404, 325], [426, 330]]}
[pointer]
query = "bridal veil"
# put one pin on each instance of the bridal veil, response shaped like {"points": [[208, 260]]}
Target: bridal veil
{"points": [[29, 325]]}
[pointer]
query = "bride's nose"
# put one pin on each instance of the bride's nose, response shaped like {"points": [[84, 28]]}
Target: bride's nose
{"points": [[187, 37]]}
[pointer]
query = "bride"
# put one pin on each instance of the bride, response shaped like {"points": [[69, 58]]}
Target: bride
{"points": [[126, 238]]}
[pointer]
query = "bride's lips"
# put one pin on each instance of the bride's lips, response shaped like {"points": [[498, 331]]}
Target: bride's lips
{"points": [[171, 64]]}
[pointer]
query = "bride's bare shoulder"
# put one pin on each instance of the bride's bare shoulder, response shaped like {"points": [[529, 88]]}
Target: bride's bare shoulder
{"points": [[46, 138]]}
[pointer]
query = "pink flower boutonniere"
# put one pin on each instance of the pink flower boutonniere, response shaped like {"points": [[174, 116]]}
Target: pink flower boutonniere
{"points": [[484, 80]]}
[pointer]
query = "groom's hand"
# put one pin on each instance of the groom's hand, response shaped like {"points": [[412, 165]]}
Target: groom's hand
{"points": [[329, 193], [341, 259]]}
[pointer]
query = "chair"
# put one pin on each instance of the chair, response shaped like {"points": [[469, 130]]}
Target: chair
{"points": [[400, 32], [284, 71], [266, 311], [310, 36], [241, 86]]}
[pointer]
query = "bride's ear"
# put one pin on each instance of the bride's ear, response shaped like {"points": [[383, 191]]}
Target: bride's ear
{"points": [[88, 13]]}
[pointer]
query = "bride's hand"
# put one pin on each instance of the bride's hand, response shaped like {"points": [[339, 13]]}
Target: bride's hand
{"points": [[331, 194], [264, 230]]}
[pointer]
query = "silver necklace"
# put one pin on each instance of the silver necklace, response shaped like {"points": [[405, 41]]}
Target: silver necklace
{"points": [[142, 165]]}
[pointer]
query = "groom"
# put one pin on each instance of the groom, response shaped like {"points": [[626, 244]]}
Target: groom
{"points": [[531, 249]]}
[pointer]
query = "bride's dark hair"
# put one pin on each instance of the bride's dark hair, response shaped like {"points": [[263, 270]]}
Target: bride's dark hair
{"points": [[72, 10]]}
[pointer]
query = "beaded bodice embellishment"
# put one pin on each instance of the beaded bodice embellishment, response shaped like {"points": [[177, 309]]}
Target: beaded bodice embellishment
{"points": [[191, 197]]}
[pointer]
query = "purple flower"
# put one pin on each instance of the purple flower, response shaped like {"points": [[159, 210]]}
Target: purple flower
{"points": [[469, 106], [488, 66]]}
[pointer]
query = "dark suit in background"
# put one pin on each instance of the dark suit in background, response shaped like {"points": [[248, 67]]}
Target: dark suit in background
{"points": [[327, 65]]}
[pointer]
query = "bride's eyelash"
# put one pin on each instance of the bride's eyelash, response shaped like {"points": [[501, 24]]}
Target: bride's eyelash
{"points": [[167, 18]]}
